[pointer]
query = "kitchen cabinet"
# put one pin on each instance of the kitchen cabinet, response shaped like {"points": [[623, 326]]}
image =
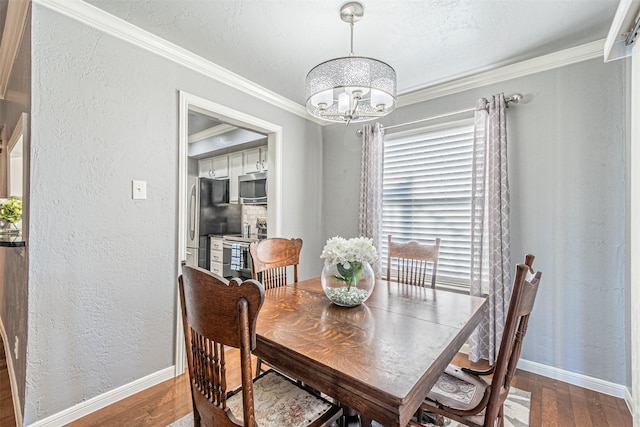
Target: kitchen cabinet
{"points": [[214, 167], [236, 166], [256, 160], [264, 158], [216, 255], [205, 166]]}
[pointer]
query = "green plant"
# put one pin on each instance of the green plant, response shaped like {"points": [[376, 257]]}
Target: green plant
{"points": [[11, 209]]}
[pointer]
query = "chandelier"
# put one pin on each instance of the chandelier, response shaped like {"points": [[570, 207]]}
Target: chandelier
{"points": [[351, 88]]}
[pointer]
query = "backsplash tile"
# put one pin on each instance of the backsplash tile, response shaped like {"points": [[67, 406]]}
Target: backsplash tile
{"points": [[250, 215]]}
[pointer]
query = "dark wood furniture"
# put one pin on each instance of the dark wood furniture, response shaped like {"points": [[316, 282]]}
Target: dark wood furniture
{"points": [[411, 262], [380, 358], [216, 314], [270, 259], [482, 403]]}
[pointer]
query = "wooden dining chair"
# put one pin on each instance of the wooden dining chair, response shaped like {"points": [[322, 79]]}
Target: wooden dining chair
{"points": [[462, 394], [216, 315], [270, 259], [411, 262]]}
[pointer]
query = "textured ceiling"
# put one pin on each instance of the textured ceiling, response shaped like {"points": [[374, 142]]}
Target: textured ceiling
{"points": [[274, 43]]}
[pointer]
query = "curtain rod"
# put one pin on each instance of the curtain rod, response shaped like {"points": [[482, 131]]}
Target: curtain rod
{"points": [[515, 98]]}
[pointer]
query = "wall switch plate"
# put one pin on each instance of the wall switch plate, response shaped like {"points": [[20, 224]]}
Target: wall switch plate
{"points": [[139, 190]]}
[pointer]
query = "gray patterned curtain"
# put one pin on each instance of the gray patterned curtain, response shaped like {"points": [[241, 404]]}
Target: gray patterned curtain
{"points": [[490, 241], [370, 219]]}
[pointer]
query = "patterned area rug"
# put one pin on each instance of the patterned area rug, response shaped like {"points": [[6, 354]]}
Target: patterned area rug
{"points": [[516, 410]]}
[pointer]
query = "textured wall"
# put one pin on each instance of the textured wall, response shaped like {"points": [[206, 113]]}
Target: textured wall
{"points": [[14, 261], [104, 267], [567, 176]]}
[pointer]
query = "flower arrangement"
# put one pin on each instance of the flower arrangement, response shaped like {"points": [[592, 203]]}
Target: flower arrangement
{"points": [[11, 209], [349, 257]]}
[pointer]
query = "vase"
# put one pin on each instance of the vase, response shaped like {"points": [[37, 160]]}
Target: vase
{"points": [[7, 227], [348, 284]]}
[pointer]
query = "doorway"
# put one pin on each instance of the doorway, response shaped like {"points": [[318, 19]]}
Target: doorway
{"points": [[210, 115]]}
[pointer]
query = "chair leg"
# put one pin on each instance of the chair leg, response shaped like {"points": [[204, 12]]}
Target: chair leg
{"points": [[258, 367], [501, 416]]}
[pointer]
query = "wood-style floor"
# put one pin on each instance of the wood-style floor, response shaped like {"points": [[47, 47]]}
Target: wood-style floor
{"points": [[553, 403]]}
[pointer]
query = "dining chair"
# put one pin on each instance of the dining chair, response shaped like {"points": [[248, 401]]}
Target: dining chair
{"points": [[269, 261], [411, 262], [461, 394], [217, 315]]}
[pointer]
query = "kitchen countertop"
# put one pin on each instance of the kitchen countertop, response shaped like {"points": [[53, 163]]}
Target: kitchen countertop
{"points": [[237, 238]]}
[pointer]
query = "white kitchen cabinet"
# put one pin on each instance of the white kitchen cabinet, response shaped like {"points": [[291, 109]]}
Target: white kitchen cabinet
{"points": [[264, 158], [255, 160], [214, 167], [205, 166], [220, 167], [236, 167], [252, 160]]}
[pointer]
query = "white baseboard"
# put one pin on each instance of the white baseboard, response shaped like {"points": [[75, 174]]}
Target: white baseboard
{"points": [[591, 383], [628, 399], [584, 381], [85, 408], [12, 375]]}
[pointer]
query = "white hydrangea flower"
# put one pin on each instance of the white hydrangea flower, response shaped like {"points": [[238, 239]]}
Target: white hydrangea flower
{"points": [[339, 250]]}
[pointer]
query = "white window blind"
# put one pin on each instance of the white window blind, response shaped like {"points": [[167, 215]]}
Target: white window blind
{"points": [[427, 194]]}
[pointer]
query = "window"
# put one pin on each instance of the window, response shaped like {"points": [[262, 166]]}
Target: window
{"points": [[427, 194]]}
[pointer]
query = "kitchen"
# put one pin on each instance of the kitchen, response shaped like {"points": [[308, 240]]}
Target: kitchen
{"points": [[227, 195]]}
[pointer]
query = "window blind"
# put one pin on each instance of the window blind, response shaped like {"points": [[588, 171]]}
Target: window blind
{"points": [[427, 194]]}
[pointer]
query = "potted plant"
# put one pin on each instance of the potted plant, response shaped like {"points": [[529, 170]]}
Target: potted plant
{"points": [[10, 214]]}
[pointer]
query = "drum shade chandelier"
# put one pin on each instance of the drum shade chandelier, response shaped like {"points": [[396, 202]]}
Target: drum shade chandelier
{"points": [[351, 88]]}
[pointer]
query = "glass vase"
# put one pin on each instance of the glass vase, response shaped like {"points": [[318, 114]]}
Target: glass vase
{"points": [[348, 284], [7, 227]]}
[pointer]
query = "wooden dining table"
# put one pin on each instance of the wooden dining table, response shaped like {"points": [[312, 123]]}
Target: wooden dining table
{"points": [[380, 358]]}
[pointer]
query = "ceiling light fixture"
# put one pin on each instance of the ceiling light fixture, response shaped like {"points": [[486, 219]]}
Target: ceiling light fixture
{"points": [[351, 88]]}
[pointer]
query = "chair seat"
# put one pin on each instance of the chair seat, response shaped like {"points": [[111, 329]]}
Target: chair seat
{"points": [[457, 389], [279, 402]]}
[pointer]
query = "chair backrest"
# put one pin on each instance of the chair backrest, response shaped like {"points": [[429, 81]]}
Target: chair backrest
{"points": [[270, 259], [523, 296], [411, 262], [218, 313]]}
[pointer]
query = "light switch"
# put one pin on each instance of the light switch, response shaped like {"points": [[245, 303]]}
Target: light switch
{"points": [[139, 189]]}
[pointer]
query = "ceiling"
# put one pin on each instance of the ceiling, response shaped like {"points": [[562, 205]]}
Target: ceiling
{"points": [[274, 43]]}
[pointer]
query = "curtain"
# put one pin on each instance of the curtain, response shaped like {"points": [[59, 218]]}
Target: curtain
{"points": [[370, 217], [490, 242]]}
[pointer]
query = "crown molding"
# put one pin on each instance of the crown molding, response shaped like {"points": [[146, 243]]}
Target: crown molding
{"points": [[536, 65], [116, 27], [17, 12], [615, 46], [94, 17]]}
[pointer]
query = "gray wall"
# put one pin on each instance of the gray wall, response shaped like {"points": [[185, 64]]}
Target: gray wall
{"points": [[104, 267], [567, 176], [14, 261]]}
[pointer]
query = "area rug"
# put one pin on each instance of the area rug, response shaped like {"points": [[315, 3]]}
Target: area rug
{"points": [[516, 412]]}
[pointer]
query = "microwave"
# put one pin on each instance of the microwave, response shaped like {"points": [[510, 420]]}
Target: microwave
{"points": [[252, 189]]}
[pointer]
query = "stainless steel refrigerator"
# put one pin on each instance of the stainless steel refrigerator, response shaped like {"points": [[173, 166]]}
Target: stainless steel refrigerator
{"points": [[209, 213]]}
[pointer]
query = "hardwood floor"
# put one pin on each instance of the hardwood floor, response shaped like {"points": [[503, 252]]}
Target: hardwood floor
{"points": [[7, 417], [553, 403]]}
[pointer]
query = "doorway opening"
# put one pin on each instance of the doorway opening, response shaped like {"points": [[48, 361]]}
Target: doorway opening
{"points": [[217, 147]]}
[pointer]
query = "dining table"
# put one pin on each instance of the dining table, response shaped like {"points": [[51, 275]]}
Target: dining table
{"points": [[380, 358]]}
